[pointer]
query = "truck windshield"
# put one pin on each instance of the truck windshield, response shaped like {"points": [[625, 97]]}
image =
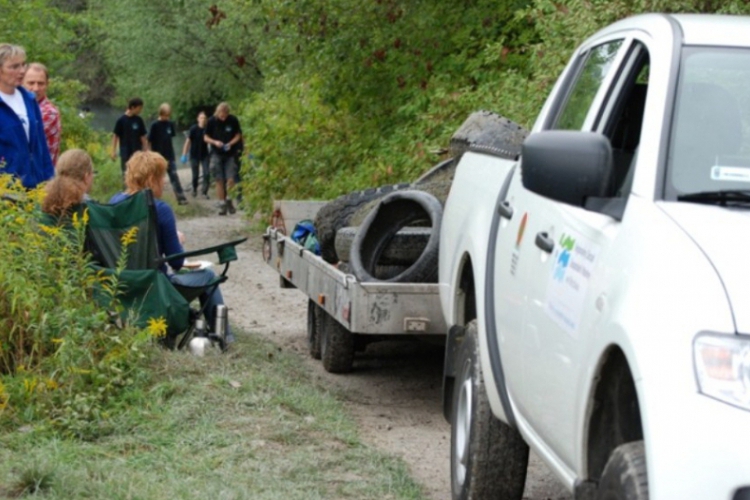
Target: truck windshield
{"points": [[710, 143]]}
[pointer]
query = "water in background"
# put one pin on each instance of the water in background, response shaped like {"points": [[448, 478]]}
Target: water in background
{"points": [[104, 116]]}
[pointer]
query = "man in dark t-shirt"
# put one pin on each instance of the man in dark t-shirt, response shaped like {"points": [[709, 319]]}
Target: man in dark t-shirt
{"points": [[198, 149], [129, 133], [223, 133], [160, 136]]}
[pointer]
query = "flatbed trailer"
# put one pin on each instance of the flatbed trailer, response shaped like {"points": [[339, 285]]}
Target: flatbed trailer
{"points": [[345, 314]]}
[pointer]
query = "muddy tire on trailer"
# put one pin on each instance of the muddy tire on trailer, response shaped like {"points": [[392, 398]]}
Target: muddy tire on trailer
{"points": [[339, 212], [313, 338], [624, 476], [394, 212], [404, 249], [336, 344], [488, 458], [488, 131], [381, 272]]}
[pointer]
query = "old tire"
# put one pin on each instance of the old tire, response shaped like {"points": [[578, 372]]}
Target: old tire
{"points": [[490, 132], [488, 458], [394, 212], [404, 249], [336, 344], [381, 272], [313, 339], [339, 212], [624, 476]]}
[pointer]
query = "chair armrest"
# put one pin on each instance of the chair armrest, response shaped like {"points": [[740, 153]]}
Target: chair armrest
{"points": [[226, 252]]}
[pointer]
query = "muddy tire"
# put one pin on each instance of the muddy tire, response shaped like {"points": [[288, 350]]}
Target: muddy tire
{"points": [[488, 459], [313, 339], [381, 272], [624, 476], [394, 212], [336, 344], [339, 212], [404, 249], [490, 132]]}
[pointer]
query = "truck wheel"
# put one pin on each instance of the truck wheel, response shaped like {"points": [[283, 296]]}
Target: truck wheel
{"points": [[490, 132], [339, 212], [488, 458], [336, 344], [624, 476], [313, 339], [391, 214], [404, 249]]}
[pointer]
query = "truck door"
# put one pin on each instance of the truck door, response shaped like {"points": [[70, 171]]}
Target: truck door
{"points": [[567, 245]]}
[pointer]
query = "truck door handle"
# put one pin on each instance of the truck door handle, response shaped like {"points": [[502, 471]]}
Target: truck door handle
{"points": [[505, 210], [544, 242]]}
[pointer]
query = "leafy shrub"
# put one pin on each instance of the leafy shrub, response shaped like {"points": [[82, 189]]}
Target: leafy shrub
{"points": [[63, 364]]}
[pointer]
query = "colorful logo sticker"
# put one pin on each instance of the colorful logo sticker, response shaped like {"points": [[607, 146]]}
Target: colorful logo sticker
{"points": [[521, 229]]}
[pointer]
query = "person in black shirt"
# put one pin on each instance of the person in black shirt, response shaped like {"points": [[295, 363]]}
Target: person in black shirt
{"points": [[223, 132], [160, 136], [198, 155], [129, 133]]}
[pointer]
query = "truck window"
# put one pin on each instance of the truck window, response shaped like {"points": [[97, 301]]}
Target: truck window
{"points": [[595, 68], [710, 145]]}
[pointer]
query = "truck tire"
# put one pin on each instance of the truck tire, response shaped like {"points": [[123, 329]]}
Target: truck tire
{"points": [[336, 344], [624, 476], [381, 272], [490, 132], [313, 339], [392, 213], [339, 212], [404, 249], [488, 458]]}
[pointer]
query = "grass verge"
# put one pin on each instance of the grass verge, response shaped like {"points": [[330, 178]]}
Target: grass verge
{"points": [[246, 424]]}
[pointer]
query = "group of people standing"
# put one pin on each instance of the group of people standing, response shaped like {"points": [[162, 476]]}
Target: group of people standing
{"points": [[30, 126], [214, 146], [30, 132]]}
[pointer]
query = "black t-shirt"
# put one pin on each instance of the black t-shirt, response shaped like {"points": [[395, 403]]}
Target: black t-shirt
{"points": [[129, 129], [198, 147], [223, 131], [160, 137]]}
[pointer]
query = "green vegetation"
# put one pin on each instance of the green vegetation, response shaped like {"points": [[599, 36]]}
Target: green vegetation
{"points": [[248, 424]]}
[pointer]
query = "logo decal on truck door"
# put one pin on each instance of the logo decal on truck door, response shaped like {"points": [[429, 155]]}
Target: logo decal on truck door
{"points": [[573, 267]]}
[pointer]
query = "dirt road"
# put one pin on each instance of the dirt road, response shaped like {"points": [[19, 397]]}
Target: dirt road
{"points": [[394, 390]]}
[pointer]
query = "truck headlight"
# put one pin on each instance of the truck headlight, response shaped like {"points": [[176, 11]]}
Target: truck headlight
{"points": [[722, 367]]}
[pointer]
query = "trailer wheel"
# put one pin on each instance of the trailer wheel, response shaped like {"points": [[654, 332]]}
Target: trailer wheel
{"points": [[391, 214], [624, 476], [313, 339], [336, 344], [488, 458]]}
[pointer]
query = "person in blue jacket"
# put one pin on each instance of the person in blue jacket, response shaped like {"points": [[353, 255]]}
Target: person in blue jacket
{"points": [[23, 146]]}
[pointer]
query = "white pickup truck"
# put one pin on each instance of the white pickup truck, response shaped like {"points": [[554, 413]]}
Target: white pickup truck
{"points": [[597, 288]]}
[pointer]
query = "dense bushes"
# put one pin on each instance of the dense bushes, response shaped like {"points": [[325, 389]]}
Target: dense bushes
{"points": [[63, 364]]}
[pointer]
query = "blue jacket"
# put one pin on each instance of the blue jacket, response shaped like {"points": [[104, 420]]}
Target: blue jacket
{"points": [[28, 160]]}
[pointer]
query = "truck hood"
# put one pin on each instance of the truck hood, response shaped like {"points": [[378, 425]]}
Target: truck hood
{"points": [[723, 234]]}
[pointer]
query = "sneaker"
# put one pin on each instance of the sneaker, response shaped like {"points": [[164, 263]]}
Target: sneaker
{"points": [[206, 196], [230, 207], [182, 201], [223, 210]]}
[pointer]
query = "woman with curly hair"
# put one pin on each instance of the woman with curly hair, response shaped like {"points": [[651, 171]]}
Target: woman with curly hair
{"points": [[71, 184]]}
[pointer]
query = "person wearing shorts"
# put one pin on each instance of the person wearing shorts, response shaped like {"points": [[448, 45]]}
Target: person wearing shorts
{"points": [[223, 133]]}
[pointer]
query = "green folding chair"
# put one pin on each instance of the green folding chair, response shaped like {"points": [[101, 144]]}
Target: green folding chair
{"points": [[144, 291]]}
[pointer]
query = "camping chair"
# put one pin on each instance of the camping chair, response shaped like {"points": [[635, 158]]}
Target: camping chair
{"points": [[145, 291]]}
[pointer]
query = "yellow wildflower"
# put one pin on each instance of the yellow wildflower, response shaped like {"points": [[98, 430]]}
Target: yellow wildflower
{"points": [[51, 384], [30, 385], [157, 327], [129, 237], [58, 341], [51, 230]]}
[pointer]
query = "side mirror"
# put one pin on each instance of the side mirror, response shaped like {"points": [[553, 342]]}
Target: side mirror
{"points": [[567, 166]]}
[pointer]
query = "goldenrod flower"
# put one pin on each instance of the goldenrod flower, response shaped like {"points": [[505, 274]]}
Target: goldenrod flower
{"points": [[51, 384], [51, 230], [129, 237], [157, 327], [30, 385]]}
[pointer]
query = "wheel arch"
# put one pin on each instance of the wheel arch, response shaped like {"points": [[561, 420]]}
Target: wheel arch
{"points": [[464, 304], [614, 416]]}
